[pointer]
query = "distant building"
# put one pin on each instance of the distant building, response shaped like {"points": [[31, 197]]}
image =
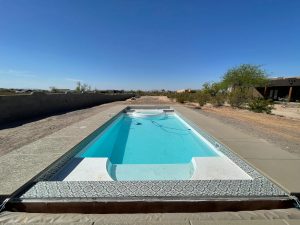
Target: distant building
{"points": [[184, 91], [282, 88]]}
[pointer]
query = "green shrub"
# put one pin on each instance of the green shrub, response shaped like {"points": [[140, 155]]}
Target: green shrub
{"points": [[245, 76], [171, 95], [260, 105], [185, 97], [218, 100], [202, 98], [180, 98], [238, 97], [191, 97]]}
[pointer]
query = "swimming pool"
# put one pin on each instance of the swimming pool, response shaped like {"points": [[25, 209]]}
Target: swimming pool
{"points": [[143, 144], [224, 176]]}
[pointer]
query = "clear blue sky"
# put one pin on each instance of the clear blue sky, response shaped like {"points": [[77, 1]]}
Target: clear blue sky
{"points": [[143, 44]]}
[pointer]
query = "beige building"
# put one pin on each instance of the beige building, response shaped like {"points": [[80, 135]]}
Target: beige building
{"points": [[183, 91]]}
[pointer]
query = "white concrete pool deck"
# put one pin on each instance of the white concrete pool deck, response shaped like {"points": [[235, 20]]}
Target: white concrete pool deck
{"points": [[218, 168], [206, 168], [89, 169]]}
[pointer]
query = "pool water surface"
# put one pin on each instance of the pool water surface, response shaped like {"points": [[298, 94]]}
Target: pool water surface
{"points": [[156, 144], [149, 139]]}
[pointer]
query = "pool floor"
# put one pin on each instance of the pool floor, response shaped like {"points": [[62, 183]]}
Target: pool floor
{"points": [[162, 139]]}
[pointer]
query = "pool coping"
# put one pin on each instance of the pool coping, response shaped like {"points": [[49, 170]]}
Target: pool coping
{"points": [[259, 187]]}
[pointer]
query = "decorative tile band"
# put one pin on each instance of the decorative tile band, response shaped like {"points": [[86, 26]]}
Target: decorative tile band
{"points": [[123, 189]]}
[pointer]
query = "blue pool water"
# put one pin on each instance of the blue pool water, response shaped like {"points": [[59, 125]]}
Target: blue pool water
{"points": [[155, 139]]}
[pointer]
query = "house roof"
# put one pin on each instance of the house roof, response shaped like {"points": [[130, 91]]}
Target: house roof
{"points": [[284, 81]]}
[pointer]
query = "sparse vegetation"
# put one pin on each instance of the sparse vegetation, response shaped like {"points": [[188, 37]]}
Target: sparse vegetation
{"points": [[185, 97], [235, 89], [202, 98], [238, 97], [216, 93], [181, 98], [260, 105], [4, 91], [240, 80], [244, 76], [218, 100], [82, 87]]}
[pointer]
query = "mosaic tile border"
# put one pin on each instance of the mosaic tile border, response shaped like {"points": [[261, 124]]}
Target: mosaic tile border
{"points": [[260, 186], [123, 189]]}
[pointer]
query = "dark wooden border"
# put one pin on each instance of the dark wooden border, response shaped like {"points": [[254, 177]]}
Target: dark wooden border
{"points": [[83, 206]]}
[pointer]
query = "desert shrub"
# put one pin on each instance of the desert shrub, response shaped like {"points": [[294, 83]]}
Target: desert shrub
{"points": [[181, 98], [218, 99], [260, 105], [215, 92], [241, 79], [186, 97], [202, 98], [191, 97], [238, 97], [171, 95]]}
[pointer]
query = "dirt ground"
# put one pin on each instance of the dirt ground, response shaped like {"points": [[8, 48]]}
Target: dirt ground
{"points": [[290, 111], [152, 100], [281, 130]]}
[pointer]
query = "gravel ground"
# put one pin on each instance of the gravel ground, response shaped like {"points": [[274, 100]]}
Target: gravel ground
{"points": [[18, 135]]}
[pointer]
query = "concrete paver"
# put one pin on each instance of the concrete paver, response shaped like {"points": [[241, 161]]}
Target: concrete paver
{"points": [[258, 150], [285, 173]]}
